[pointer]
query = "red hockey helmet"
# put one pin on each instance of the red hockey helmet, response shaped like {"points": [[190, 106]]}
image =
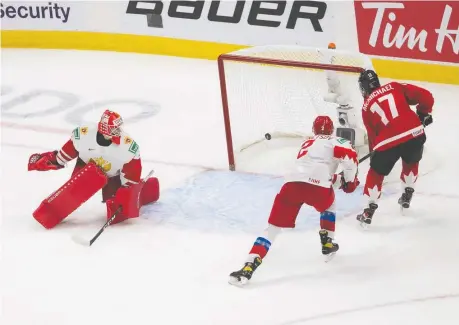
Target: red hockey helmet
{"points": [[323, 125], [110, 125]]}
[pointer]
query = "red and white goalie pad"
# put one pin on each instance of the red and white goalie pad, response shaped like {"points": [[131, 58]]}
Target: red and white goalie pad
{"points": [[132, 198], [70, 196]]}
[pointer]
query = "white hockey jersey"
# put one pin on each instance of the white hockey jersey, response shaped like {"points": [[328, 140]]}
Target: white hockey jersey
{"points": [[122, 159], [318, 160]]}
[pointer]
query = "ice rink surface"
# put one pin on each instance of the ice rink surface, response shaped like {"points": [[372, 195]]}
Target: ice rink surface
{"points": [[171, 265]]}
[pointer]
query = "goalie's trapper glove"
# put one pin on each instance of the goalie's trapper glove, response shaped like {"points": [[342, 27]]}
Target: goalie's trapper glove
{"points": [[44, 161]]}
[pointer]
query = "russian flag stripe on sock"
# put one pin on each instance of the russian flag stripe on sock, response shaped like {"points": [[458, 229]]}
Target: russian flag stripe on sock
{"points": [[260, 247], [262, 242], [327, 221], [328, 216]]}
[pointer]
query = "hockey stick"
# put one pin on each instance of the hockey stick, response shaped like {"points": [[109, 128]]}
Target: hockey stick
{"points": [[108, 223], [84, 242], [371, 152], [368, 155]]}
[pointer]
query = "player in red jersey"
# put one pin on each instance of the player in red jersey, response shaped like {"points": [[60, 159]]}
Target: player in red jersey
{"points": [[394, 131]]}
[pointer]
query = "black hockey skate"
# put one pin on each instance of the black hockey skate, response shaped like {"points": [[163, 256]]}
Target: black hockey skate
{"points": [[406, 197], [243, 276], [329, 248], [366, 216]]}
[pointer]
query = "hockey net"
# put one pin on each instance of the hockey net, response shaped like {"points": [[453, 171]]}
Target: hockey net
{"points": [[279, 90]]}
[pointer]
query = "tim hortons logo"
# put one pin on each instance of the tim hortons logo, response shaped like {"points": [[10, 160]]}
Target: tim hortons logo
{"points": [[426, 30]]}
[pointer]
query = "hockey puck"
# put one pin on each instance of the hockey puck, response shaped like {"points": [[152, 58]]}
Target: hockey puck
{"points": [[268, 136]]}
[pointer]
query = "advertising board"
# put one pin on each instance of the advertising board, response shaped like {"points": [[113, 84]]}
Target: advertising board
{"points": [[422, 30], [422, 36], [309, 23]]}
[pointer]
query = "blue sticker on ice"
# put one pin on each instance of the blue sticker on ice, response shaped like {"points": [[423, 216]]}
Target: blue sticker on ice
{"points": [[231, 201]]}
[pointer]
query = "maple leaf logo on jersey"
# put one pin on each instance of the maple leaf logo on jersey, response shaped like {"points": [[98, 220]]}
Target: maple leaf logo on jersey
{"points": [[346, 154], [102, 163], [348, 159]]}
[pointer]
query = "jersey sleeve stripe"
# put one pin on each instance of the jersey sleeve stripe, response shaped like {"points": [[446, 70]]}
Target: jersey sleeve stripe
{"points": [[60, 160], [64, 155]]}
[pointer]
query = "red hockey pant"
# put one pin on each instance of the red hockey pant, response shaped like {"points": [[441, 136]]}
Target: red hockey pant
{"points": [[292, 196]]}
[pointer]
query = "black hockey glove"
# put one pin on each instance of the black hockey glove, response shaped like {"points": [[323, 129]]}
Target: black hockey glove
{"points": [[426, 119]]}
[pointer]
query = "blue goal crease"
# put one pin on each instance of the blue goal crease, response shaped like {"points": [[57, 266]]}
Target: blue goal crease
{"points": [[225, 201]]}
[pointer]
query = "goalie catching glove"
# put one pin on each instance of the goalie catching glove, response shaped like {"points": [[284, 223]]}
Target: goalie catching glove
{"points": [[44, 161]]}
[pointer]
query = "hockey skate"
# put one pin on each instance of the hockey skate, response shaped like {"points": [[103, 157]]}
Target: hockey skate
{"points": [[243, 276], [366, 216], [405, 199], [329, 248]]}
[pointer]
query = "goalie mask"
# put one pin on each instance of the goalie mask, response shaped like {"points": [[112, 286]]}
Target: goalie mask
{"points": [[110, 126], [368, 82], [323, 125]]}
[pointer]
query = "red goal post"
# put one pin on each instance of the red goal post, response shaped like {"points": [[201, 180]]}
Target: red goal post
{"points": [[280, 89]]}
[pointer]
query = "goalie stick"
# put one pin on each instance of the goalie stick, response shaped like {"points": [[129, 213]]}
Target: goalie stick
{"points": [[85, 242]]}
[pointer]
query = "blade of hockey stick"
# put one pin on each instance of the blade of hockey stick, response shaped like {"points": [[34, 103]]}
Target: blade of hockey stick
{"points": [[81, 241], [88, 243]]}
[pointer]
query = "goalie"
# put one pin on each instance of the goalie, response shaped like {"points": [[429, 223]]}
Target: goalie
{"points": [[107, 158]]}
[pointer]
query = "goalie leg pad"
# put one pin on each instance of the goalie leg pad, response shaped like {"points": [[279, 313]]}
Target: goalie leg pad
{"points": [[77, 190], [150, 191]]}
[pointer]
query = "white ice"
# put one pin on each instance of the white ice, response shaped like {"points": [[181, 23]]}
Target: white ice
{"points": [[170, 266]]}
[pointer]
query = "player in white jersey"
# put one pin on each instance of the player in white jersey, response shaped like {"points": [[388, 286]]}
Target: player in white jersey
{"points": [[115, 153], [311, 183]]}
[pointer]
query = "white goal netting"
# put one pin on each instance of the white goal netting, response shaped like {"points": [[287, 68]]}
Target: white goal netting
{"points": [[280, 90]]}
